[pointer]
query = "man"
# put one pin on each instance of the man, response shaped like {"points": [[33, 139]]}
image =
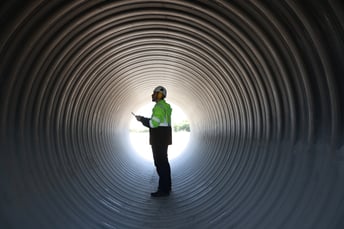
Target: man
{"points": [[160, 136]]}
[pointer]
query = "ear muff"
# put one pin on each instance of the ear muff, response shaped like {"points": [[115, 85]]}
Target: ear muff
{"points": [[159, 95]]}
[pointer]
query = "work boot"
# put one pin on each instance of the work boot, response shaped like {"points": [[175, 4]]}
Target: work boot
{"points": [[160, 193]]}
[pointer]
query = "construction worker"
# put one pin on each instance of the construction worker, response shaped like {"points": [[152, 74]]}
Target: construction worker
{"points": [[160, 136]]}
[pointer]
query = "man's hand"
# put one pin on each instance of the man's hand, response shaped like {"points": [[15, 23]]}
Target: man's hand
{"points": [[138, 118], [145, 121]]}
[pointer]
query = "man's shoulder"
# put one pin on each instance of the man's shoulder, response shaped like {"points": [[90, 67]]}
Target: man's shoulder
{"points": [[164, 102]]}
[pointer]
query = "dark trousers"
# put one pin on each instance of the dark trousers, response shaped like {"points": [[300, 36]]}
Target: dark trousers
{"points": [[162, 167]]}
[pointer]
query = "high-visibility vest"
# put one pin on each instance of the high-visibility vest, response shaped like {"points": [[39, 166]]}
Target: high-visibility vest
{"points": [[161, 115]]}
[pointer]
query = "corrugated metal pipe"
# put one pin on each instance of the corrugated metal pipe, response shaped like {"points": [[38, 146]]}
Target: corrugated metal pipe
{"points": [[261, 82]]}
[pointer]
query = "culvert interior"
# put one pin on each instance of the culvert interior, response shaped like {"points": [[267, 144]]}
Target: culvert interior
{"points": [[261, 83]]}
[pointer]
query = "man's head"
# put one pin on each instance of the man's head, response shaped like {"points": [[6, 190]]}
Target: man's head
{"points": [[159, 93]]}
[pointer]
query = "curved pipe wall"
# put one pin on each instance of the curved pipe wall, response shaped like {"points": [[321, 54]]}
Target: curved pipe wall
{"points": [[261, 83]]}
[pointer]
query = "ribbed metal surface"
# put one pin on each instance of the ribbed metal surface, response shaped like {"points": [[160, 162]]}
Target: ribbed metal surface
{"points": [[261, 83]]}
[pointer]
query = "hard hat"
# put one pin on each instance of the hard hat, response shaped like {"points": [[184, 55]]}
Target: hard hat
{"points": [[161, 89]]}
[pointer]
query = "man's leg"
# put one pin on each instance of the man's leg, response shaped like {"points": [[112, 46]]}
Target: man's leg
{"points": [[165, 170], [163, 167]]}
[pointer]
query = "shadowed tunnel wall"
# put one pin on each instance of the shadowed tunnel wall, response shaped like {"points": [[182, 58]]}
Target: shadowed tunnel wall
{"points": [[262, 85]]}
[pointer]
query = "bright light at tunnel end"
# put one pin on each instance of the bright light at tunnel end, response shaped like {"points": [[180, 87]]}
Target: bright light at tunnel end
{"points": [[139, 135]]}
